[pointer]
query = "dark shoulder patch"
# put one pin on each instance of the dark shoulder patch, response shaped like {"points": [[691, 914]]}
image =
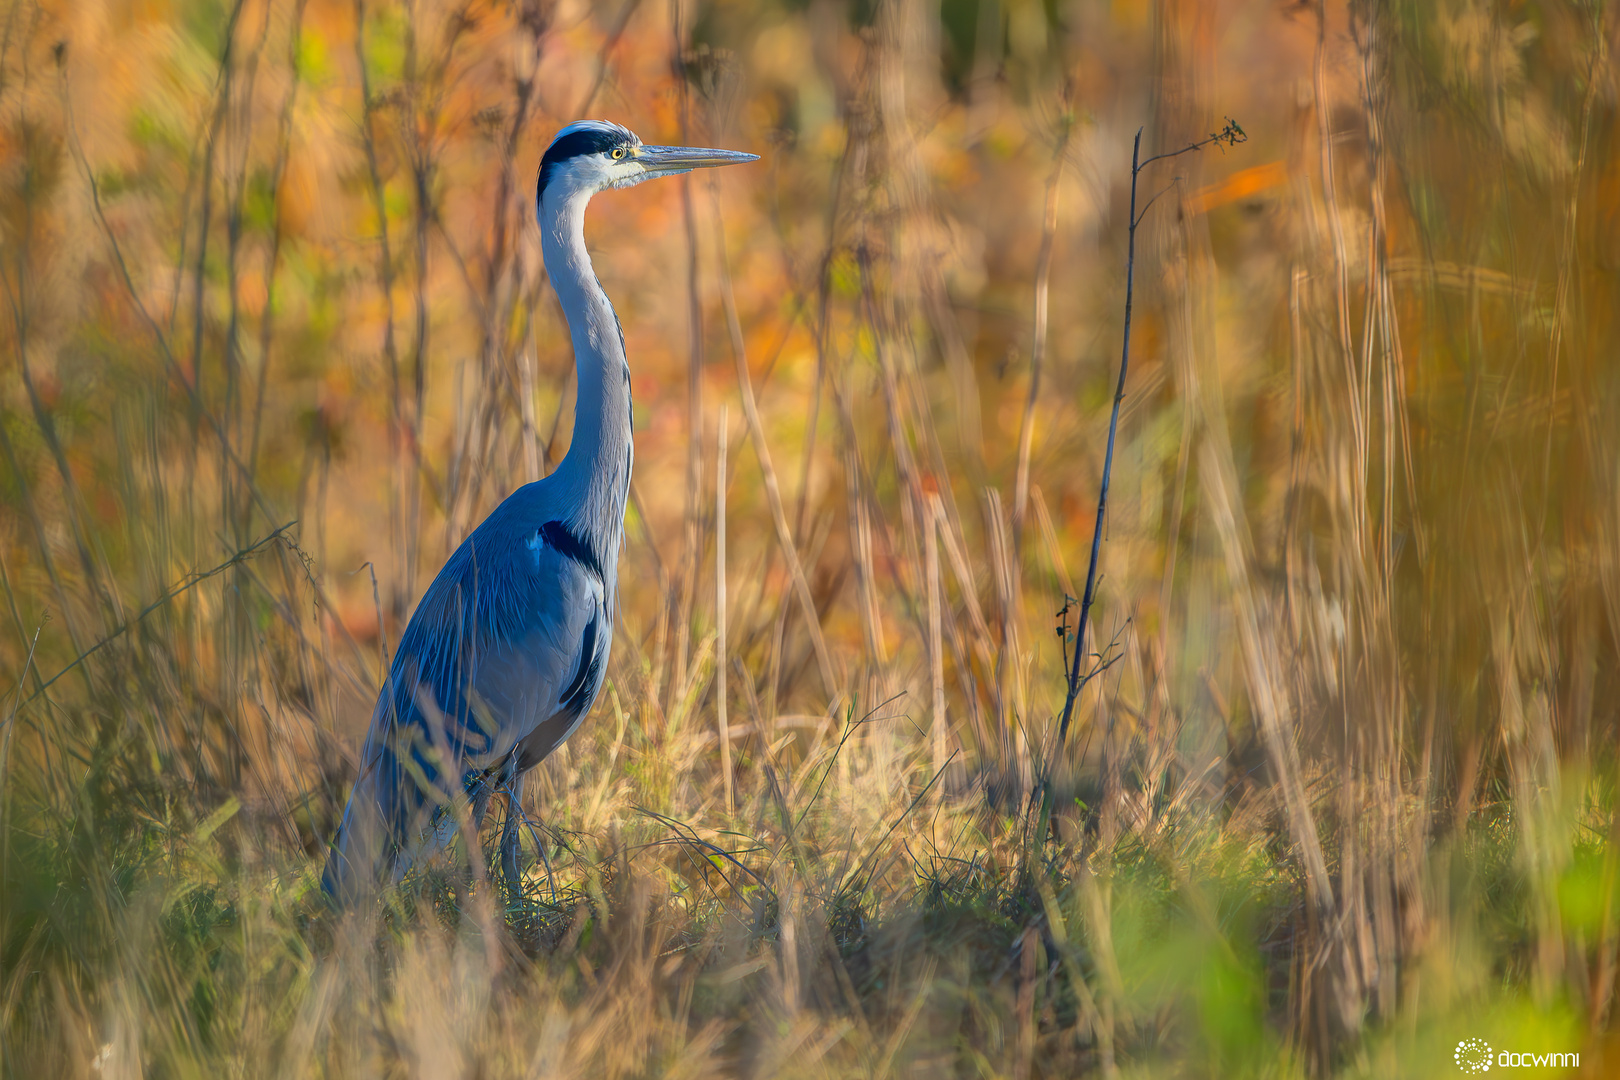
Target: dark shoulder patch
{"points": [[572, 547]]}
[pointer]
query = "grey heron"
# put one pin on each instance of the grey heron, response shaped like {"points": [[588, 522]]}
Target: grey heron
{"points": [[508, 647]]}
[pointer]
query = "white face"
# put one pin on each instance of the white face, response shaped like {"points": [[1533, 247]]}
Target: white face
{"points": [[591, 173], [593, 155]]}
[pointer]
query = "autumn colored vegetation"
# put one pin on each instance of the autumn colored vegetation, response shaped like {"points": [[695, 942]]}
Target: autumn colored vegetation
{"points": [[1339, 789]]}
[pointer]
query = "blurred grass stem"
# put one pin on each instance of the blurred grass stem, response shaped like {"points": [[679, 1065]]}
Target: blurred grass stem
{"points": [[722, 653], [762, 452], [1037, 349]]}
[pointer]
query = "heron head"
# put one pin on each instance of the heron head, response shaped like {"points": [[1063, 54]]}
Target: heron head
{"points": [[589, 156]]}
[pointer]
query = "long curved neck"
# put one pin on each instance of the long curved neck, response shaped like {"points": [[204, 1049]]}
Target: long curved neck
{"points": [[594, 477]]}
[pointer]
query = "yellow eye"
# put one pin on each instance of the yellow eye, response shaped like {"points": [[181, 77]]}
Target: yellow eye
{"points": [[618, 152]]}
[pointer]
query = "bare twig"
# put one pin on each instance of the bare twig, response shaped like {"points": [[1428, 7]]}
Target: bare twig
{"points": [[619, 26], [173, 591], [1229, 135]]}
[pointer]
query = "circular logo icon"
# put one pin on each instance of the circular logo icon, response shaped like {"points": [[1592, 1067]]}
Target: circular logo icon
{"points": [[1473, 1056]]}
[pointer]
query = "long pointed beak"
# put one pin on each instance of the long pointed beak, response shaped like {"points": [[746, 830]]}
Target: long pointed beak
{"points": [[673, 160]]}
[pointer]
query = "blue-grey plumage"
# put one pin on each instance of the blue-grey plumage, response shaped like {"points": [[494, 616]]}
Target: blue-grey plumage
{"points": [[507, 650]]}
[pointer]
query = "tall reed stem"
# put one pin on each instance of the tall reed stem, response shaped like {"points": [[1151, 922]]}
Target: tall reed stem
{"points": [[1230, 135], [1108, 459], [722, 432]]}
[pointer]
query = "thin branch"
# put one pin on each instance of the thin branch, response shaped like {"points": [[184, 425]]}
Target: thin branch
{"points": [[183, 585], [687, 835], [1230, 135], [890, 831], [619, 26], [1156, 196]]}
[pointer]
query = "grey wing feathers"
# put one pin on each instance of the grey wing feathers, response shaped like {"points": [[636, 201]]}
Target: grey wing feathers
{"points": [[506, 651]]}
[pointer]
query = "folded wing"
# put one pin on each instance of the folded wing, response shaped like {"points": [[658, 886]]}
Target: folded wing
{"points": [[496, 668]]}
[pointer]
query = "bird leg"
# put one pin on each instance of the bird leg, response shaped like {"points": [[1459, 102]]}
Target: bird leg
{"points": [[481, 791], [511, 839]]}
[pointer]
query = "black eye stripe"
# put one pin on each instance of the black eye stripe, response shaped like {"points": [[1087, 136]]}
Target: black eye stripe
{"points": [[574, 144], [584, 141]]}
